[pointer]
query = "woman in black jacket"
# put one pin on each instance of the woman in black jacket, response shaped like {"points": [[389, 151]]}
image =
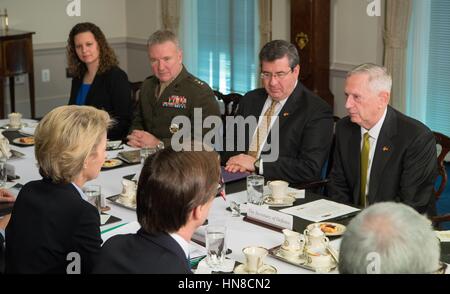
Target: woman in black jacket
{"points": [[97, 79], [53, 228]]}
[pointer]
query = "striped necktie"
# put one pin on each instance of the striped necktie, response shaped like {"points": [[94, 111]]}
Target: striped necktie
{"points": [[262, 131]]}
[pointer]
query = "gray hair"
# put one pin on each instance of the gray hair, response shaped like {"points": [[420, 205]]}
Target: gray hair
{"points": [[379, 78], [278, 49], [400, 239], [163, 36]]}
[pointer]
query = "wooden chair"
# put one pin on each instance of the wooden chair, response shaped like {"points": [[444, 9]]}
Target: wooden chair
{"points": [[231, 102], [444, 142], [319, 186], [135, 88]]}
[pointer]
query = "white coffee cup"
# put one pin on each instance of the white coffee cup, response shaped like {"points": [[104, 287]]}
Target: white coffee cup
{"points": [[323, 261], [293, 241], [254, 258], [278, 188], [15, 119]]}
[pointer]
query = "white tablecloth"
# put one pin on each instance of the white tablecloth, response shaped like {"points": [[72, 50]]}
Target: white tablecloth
{"points": [[240, 234]]}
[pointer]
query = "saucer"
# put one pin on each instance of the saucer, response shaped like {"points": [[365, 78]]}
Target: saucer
{"points": [[328, 228], [264, 270], [283, 201], [8, 127], [291, 256], [110, 163]]}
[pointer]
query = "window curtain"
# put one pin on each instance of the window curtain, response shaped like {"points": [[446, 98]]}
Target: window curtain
{"points": [[265, 21], [171, 15], [417, 60], [398, 13]]}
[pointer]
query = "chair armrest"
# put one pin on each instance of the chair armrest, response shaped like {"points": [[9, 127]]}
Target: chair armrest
{"points": [[310, 185], [440, 219]]}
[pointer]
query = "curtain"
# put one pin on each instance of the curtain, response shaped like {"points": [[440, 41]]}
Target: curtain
{"points": [[265, 21], [171, 15], [417, 60], [395, 41]]}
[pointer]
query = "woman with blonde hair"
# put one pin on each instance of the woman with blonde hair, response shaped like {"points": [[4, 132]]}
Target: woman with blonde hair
{"points": [[97, 79], [52, 228]]}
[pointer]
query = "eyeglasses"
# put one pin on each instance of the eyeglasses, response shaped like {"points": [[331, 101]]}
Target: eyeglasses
{"points": [[279, 75], [221, 188]]}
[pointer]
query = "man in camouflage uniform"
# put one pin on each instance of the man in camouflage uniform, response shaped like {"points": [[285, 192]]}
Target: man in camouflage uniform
{"points": [[171, 92]]}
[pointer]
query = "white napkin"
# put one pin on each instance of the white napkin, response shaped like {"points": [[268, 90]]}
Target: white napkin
{"points": [[227, 267], [104, 218], [5, 151], [444, 236], [28, 130]]}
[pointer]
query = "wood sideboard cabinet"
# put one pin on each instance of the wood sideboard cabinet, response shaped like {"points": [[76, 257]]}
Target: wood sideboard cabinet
{"points": [[16, 58], [310, 32]]}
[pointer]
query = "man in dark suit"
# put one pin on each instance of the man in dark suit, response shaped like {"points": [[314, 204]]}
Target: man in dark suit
{"points": [[295, 126], [175, 192], [381, 154]]}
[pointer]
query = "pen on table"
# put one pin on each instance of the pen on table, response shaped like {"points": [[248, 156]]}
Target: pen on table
{"points": [[113, 228], [195, 261]]}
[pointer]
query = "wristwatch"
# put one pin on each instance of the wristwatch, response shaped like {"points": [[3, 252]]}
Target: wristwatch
{"points": [[256, 165]]}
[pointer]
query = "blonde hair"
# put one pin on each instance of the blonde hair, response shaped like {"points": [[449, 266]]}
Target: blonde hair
{"points": [[65, 137]]}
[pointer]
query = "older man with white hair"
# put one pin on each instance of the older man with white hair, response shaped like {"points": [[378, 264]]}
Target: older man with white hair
{"points": [[380, 153], [389, 238]]}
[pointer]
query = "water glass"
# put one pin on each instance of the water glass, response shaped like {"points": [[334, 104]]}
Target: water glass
{"points": [[3, 173], [255, 189], [215, 246], [94, 196], [146, 152]]}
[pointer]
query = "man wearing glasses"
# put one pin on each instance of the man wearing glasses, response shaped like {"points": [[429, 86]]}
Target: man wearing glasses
{"points": [[289, 116]]}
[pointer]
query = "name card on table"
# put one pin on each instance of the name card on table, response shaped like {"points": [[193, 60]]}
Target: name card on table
{"points": [[270, 217]]}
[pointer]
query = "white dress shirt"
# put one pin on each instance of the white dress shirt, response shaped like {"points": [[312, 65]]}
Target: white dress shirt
{"points": [[374, 132], [182, 242]]}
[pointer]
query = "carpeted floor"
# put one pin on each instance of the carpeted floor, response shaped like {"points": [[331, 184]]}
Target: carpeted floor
{"points": [[443, 205]]}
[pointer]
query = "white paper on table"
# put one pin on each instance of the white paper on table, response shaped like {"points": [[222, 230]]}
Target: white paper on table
{"points": [[129, 228], [104, 218], [320, 210], [196, 250], [444, 236], [227, 267]]}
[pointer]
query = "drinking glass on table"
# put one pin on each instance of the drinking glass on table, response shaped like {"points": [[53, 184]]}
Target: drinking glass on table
{"points": [[215, 245], [94, 196], [255, 189]]}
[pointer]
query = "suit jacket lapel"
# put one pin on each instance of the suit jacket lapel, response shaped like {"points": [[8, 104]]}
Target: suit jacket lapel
{"points": [[90, 94], [354, 156], [291, 104], [382, 154]]}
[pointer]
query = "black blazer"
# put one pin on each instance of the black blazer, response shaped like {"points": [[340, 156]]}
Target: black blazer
{"points": [[306, 130], [48, 222], [142, 253], [111, 92], [404, 166]]}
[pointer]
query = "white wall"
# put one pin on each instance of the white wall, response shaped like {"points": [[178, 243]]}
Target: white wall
{"points": [[355, 38], [143, 18], [48, 18]]}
